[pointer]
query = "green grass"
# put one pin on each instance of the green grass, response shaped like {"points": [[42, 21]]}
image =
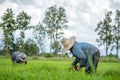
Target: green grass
{"points": [[54, 69]]}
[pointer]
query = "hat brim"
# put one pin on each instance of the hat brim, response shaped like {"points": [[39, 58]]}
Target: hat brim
{"points": [[72, 41]]}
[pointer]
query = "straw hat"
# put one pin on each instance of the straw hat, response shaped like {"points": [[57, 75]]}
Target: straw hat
{"points": [[68, 43]]}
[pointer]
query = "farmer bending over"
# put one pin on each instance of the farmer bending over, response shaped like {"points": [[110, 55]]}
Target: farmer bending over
{"points": [[86, 54]]}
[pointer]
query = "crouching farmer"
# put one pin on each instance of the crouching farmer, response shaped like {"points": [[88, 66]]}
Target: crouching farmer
{"points": [[86, 54], [19, 57]]}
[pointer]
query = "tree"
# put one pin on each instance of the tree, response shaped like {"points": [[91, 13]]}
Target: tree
{"points": [[31, 48], [8, 27], [116, 31], [104, 29], [22, 24], [20, 43], [40, 36], [23, 21], [55, 20]]}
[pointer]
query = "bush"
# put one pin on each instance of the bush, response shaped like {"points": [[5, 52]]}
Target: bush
{"points": [[62, 55], [109, 59], [47, 55], [1, 52], [35, 57]]}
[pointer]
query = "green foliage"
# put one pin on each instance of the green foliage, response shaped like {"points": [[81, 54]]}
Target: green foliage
{"points": [[49, 69], [47, 55], [103, 30], [55, 20], [108, 31], [52, 55], [109, 58], [62, 55], [19, 45], [1, 52], [40, 36], [31, 48], [23, 20], [116, 31], [9, 25], [22, 23]]}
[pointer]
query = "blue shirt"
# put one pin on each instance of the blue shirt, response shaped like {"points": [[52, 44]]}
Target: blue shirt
{"points": [[81, 50]]}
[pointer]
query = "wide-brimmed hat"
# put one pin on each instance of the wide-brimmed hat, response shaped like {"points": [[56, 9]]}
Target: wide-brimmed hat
{"points": [[68, 43]]}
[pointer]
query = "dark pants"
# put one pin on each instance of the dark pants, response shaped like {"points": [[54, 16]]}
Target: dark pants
{"points": [[95, 60]]}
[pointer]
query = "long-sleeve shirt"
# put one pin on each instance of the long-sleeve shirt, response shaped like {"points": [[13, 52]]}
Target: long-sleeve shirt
{"points": [[81, 50]]}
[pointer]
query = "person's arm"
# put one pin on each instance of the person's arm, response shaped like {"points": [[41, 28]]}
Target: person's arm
{"points": [[82, 57], [82, 64], [74, 63]]}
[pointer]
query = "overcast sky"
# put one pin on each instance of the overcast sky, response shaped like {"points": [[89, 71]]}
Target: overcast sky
{"points": [[83, 15]]}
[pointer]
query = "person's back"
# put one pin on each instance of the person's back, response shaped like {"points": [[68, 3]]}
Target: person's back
{"points": [[19, 57], [85, 53], [87, 48]]}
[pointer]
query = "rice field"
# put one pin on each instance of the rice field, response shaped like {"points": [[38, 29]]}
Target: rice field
{"points": [[55, 69]]}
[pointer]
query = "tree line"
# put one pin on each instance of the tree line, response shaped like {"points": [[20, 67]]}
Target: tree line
{"points": [[51, 27], [108, 31]]}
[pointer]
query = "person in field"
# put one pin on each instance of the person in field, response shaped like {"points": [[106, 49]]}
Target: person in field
{"points": [[18, 57], [85, 53]]}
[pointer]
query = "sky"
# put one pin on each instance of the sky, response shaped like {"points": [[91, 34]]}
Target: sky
{"points": [[83, 15]]}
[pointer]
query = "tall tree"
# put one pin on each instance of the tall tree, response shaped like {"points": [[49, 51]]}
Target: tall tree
{"points": [[104, 29], [40, 36], [55, 20], [22, 24], [116, 31], [8, 27]]}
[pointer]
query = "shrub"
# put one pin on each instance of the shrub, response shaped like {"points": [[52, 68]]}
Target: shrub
{"points": [[109, 59], [47, 55], [62, 55], [35, 57]]}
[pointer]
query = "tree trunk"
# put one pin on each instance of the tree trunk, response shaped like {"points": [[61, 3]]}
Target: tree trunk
{"points": [[56, 49], [117, 49], [106, 49], [117, 43], [50, 45], [6, 50], [56, 42]]}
